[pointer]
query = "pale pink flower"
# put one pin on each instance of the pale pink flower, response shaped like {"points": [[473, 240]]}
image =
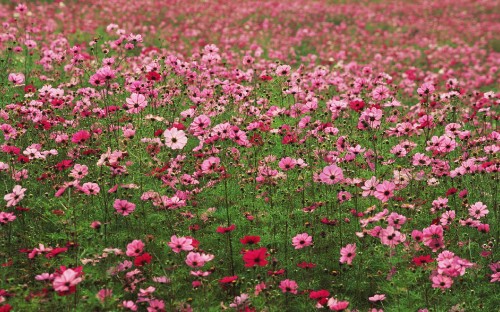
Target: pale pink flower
{"points": [[175, 139], [348, 253], [66, 280], [16, 196], [478, 210], [136, 103], [180, 243]]}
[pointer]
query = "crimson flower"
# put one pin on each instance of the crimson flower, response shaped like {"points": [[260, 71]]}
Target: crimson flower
{"points": [[256, 257], [250, 240], [224, 230], [228, 279], [143, 259], [421, 260]]}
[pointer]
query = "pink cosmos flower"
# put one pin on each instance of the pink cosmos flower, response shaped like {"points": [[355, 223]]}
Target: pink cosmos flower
{"points": [[129, 304], [63, 282], [6, 217], [380, 93], [196, 259], [16, 78], [180, 243], [135, 248], [210, 164], [396, 220], [287, 163], [80, 137], [348, 253], [478, 210], [432, 237], [103, 294], [289, 286], [302, 240], [79, 171], [283, 70], [369, 187], [90, 188], [331, 175], [336, 305], [384, 191], [377, 298], [16, 196], [426, 89], [391, 237], [136, 103], [175, 139], [123, 207], [441, 281]]}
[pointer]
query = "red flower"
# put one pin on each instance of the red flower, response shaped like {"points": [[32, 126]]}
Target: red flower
{"points": [[306, 265], [228, 279], [357, 105], [29, 89], [451, 191], [5, 308], [159, 132], [250, 240], [266, 78], [420, 261], [153, 76], [64, 164], [256, 257], [321, 296], [54, 252], [143, 259], [276, 273], [224, 230]]}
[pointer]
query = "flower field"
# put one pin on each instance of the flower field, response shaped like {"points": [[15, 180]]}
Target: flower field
{"points": [[249, 155]]}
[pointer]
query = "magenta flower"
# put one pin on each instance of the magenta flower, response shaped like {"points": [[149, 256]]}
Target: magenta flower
{"points": [[348, 253], [331, 175], [180, 243], [123, 207], [441, 281], [289, 286], [384, 191], [196, 259], [6, 217], [302, 240], [135, 248], [80, 137], [66, 281]]}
